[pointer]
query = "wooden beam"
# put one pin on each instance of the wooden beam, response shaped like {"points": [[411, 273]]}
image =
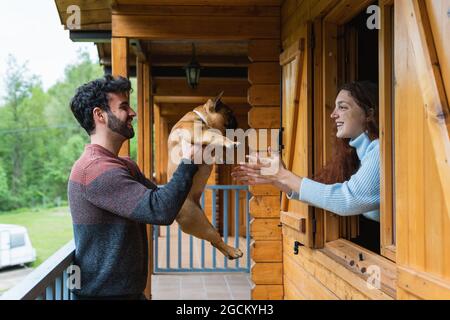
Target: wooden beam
{"points": [[264, 117], [208, 87], [62, 5], [94, 26], [192, 10], [264, 50], [119, 56], [206, 61], [267, 251], [139, 52], [196, 100], [176, 109], [267, 273], [195, 27], [264, 73], [267, 292], [148, 157], [266, 229], [202, 2], [140, 115], [264, 95], [265, 206]]}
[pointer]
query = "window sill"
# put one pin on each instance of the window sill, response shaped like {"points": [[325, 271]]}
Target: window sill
{"points": [[364, 264], [390, 252]]}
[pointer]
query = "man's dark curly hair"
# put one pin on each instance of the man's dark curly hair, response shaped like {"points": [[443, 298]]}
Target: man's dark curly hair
{"points": [[95, 94]]}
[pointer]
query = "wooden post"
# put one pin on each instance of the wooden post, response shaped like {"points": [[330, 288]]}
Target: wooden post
{"points": [[119, 59], [145, 143], [148, 159], [265, 230]]}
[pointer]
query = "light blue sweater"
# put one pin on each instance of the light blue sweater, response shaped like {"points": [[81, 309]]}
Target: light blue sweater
{"points": [[359, 195]]}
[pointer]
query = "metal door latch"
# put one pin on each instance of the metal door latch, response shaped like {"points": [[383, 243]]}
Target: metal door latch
{"points": [[296, 246]]}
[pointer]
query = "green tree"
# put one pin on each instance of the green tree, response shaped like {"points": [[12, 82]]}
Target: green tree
{"points": [[18, 89], [40, 138]]}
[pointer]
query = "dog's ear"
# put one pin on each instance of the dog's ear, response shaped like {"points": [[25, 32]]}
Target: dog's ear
{"points": [[217, 100]]}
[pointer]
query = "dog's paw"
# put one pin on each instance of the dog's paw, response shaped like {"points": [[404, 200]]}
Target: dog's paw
{"points": [[235, 254]]}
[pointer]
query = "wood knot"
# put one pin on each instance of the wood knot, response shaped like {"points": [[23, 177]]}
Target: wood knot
{"points": [[352, 263], [442, 116]]}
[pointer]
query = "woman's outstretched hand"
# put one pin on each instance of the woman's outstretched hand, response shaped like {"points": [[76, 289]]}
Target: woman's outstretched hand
{"points": [[266, 170], [259, 170]]}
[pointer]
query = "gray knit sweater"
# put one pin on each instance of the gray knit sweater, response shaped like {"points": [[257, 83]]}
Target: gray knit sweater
{"points": [[111, 202]]}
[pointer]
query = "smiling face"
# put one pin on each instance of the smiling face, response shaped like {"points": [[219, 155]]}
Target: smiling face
{"points": [[120, 115], [349, 117]]}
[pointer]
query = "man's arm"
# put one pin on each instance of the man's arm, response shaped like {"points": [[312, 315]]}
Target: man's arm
{"points": [[113, 189]]}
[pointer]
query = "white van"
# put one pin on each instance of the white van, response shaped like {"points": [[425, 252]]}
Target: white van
{"points": [[15, 246]]}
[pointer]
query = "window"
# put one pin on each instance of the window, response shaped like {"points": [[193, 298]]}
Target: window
{"points": [[353, 52], [17, 240]]}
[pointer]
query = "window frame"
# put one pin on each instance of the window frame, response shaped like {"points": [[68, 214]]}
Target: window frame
{"points": [[332, 26], [387, 145]]}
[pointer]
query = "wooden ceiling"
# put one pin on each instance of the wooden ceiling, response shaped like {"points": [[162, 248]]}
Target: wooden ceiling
{"points": [[97, 16], [179, 53], [201, 2]]}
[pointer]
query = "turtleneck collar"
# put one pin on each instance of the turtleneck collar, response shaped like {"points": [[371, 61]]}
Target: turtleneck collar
{"points": [[98, 148], [360, 144]]}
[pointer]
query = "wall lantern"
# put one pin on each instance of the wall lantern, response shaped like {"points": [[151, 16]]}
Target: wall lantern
{"points": [[193, 70]]}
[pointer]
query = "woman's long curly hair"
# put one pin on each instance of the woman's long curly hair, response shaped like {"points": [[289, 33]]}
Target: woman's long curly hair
{"points": [[345, 162]]}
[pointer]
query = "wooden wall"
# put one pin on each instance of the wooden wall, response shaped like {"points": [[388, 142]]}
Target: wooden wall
{"points": [[422, 153], [264, 97]]}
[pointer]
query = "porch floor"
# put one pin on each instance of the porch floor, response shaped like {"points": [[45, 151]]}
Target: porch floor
{"points": [[186, 248], [198, 286], [217, 286]]}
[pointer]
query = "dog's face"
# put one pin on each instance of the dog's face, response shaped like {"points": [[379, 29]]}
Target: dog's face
{"points": [[219, 115]]}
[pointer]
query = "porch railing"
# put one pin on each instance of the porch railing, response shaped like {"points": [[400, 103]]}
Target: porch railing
{"points": [[49, 281], [174, 251]]}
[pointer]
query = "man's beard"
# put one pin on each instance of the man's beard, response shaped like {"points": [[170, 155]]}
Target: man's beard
{"points": [[120, 127]]}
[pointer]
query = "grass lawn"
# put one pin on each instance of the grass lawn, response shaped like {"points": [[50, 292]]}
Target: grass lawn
{"points": [[49, 229]]}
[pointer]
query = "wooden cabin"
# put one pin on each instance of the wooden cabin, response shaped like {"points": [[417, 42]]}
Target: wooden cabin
{"points": [[280, 64]]}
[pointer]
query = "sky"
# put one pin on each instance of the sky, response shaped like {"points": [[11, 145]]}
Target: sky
{"points": [[31, 31]]}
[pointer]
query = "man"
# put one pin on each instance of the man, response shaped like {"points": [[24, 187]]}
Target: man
{"points": [[110, 199]]}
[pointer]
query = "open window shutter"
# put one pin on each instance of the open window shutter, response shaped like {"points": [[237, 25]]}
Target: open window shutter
{"points": [[423, 149], [297, 217]]}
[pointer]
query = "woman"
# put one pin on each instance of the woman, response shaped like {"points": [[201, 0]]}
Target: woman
{"points": [[350, 183]]}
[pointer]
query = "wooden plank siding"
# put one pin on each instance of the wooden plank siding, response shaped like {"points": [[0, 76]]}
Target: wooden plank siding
{"points": [[264, 97], [195, 27]]}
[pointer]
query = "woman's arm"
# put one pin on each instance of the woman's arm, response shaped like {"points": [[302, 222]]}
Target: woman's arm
{"points": [[358, 195], [268, 171]]}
